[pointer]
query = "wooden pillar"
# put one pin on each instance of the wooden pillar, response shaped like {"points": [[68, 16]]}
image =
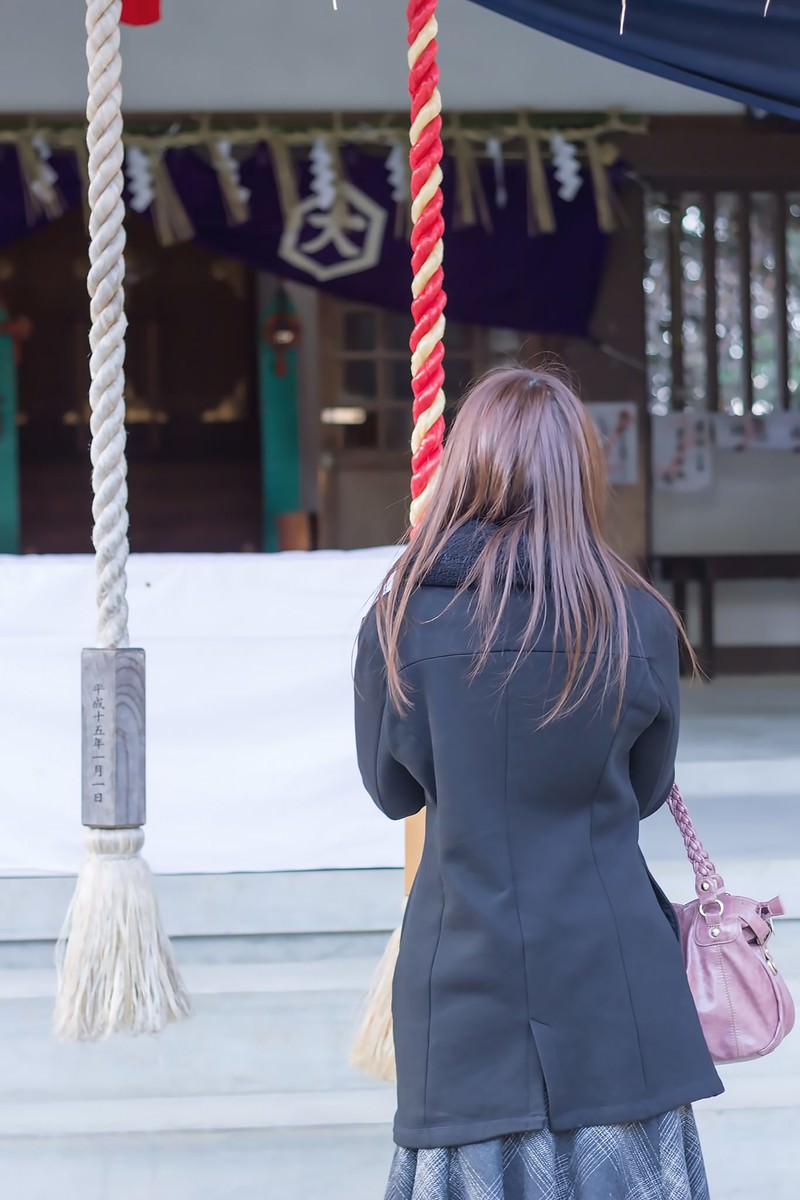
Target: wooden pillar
{"points": [[415, 840], [9, 454], [280, 439]]}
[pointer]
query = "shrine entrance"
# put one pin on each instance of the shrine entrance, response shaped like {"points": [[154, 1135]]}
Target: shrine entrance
{"points": [[192, 393]]}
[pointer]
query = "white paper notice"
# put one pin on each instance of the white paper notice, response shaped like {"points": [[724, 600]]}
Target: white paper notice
{"points": [[618, 427], [773, 431], [682, 452]]}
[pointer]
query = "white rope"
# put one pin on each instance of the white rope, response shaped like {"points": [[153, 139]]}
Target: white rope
{"points": [[116, 970], [107, 336]]}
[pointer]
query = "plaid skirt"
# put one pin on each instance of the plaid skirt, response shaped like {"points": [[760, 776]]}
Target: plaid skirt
{"points": [[659, 1159]]}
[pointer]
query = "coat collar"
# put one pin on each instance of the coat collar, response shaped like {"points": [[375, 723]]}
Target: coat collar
{"points": [[460, 553]]}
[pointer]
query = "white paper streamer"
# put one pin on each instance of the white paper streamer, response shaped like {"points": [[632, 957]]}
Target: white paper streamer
{"points": [[225, 161], [494, 150], [140, 178], [323, 174], [397, 169], [567, 167]]}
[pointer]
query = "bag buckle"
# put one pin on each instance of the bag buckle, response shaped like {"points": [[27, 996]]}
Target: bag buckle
{"points": [[770, 960], [717, 900]]}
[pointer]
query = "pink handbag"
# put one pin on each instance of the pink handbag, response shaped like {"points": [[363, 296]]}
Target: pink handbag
{"points": [[744, 1005]]}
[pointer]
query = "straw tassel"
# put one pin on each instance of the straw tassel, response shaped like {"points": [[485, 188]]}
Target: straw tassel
{"points": [[236, 197], [283, 166], [601, 185], [373, 1048], [541, 218], [172, 222], [471, 206], [116, 971]]}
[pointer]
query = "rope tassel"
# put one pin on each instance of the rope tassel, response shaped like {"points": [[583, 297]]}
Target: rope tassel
{"points": [[115, 966]]}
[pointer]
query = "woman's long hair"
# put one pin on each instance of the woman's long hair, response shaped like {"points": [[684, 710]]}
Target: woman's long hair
{"points": [[523, 458]]}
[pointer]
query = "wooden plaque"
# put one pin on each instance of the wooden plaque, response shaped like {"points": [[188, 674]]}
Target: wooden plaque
{"points": [[113, 741]]}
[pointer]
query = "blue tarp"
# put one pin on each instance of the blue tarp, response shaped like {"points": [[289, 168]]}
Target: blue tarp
{"points": [[728, 47]]}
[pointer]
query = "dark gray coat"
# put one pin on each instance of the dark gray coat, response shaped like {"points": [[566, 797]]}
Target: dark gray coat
{"points": [[539, 976]]}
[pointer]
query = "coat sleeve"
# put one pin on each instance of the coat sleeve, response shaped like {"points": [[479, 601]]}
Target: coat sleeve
{"points": [[378, 728], [652, 759]]}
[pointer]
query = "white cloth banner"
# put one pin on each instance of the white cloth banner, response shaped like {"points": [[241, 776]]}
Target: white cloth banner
{"points": [[251, 757]]}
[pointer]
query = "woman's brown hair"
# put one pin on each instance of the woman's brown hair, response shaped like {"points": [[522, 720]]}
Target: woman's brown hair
{"points": [[524, 459]]}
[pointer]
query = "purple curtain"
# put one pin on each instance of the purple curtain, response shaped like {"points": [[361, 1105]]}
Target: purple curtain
{"points": [[505, 277]]}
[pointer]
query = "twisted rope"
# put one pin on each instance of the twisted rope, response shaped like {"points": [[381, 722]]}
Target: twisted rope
{"points": [[704, 869], [107, 335], [429, 299]]}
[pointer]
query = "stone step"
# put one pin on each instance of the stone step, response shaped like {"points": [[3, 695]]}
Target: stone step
{"points": [[197, 1113], [749, 1156], [262, 917], [330, 1162], [298, 1109], [259, 1029], [756, 858], [32, 907]]}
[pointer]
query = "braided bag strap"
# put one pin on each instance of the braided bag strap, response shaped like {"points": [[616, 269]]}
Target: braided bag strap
{"points": [[707, 881]]}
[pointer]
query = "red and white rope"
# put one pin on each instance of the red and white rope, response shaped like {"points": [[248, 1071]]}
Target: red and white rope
{"points": [[428, 296]]}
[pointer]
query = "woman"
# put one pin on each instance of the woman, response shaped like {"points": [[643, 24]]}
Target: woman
{"points": [[520, 683]]}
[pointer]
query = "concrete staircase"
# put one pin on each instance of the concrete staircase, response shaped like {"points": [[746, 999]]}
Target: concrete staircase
{"points": [[253, 1097]]}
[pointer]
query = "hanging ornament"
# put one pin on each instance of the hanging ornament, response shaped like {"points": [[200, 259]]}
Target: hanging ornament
{"points": [[171, 221], [471, 206], [138, 169], [40, 179], [323, 174], [48, 176], [235, 195], [541, 217], [601, 156], [399, 174], [494, 151], [281, 332], [397, 171], [44, 186], [567, 167]]}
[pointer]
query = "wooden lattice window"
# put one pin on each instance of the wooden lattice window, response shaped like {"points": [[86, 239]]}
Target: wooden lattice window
{"points": [[366, 393], [722, 291]]}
